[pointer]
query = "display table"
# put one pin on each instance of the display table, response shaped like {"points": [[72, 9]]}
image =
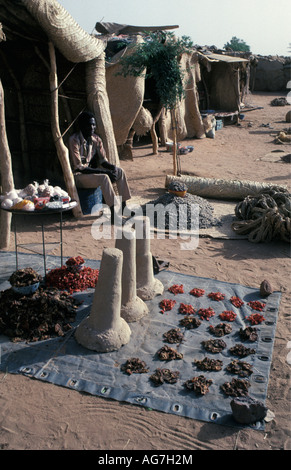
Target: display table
{"points": [[41, 248]]}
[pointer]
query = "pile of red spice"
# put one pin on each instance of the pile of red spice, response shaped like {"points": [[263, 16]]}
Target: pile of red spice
{"points": [[227, 315], [63, 279], [197, 292], [206, 313], [255, 318], [176, 289], [186, 309], [236, 301], [75, 261], [256, 305], [216, 296], [166, 305]]}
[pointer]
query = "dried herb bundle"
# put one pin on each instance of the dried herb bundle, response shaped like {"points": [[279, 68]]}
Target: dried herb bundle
{"points": [[164, 375], [241, 351], [236, 388], [200, 385], [167, 354], [221, 329], [241, 368], [209, 364], [134, 366], [214, 345], [190, 322], [248, 334], [173, 336]]}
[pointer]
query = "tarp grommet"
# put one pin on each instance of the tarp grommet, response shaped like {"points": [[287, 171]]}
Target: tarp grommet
{"points": [[141, 400], [214, 415], [263, 358], [72, 382], [177, 408]]}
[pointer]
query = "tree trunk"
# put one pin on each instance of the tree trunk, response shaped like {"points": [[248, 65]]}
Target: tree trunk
{"points": [[62, 150], [7, 181]]}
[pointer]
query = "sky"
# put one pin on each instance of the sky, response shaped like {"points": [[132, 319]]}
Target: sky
{"points": [[262, 24]]}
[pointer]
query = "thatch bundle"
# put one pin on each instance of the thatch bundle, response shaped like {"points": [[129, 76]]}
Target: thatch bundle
{"points": [[72, 41], [221, 189]]}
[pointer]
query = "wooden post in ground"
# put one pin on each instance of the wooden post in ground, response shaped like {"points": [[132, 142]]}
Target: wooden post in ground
{"points": [[7, 182], [62, 150], [174, 127]]}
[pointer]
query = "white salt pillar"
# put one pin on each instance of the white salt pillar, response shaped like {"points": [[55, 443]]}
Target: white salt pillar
{"points": [[147, 286], [104, 330], [132, 307]]}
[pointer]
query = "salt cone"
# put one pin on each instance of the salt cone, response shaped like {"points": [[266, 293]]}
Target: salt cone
{"points": [[147, 286], [104, 330], [133, 308]]}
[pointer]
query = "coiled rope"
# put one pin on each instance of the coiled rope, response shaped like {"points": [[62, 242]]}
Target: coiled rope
{"points": [[264, 217]]}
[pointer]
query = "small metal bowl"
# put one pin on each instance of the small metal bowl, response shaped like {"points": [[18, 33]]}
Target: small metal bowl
{"points": [[178, 193], [26, 290]]}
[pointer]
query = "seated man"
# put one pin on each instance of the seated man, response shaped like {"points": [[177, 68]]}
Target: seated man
{"points": [[90, 166]]}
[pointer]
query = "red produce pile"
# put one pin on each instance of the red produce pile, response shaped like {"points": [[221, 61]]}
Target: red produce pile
{"points": [[64, 279]]}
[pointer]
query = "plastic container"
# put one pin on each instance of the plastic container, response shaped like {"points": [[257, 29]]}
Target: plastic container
{"points": [[26, 290], [90, 199], [169, 146], [219, 124]]}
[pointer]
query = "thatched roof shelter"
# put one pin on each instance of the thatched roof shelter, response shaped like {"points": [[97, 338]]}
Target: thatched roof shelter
{"points": [[39, 117], [224, 80]]}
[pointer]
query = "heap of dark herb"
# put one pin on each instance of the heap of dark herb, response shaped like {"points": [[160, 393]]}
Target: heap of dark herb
{"points": [[173, 336], [200, 385], [209, 364], [214, 345], [134, 366], [236, 388], [164, 375], [167, 354], [46, 313], [248, 334], [241, 368], [241, 350], [221, 329], [24, 277], [190, 322]]}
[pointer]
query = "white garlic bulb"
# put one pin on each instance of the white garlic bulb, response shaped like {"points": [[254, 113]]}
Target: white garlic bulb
{"points": [[7, 203]]}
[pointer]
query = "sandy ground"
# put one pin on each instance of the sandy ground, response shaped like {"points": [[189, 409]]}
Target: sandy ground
{"points": [[37, 415]]}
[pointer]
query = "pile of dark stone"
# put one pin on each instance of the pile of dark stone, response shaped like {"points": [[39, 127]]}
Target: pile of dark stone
{"points": [[182, 219]]}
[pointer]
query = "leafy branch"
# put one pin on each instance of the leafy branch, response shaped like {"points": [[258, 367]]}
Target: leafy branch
{"points": [[158, 57]]}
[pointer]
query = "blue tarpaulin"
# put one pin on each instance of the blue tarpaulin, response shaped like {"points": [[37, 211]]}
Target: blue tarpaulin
{"points": [[64, 362]]}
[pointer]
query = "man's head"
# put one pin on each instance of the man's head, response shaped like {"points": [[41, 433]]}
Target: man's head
{"points": [[87, 124]]}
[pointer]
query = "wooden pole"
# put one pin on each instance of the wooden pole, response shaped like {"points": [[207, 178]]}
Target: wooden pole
{"points": [[62, 150], [174, 127], [7, 181]]}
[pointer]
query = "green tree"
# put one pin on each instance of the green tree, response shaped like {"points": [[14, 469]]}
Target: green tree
{"points": [[158, 57], [236, 44]]}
